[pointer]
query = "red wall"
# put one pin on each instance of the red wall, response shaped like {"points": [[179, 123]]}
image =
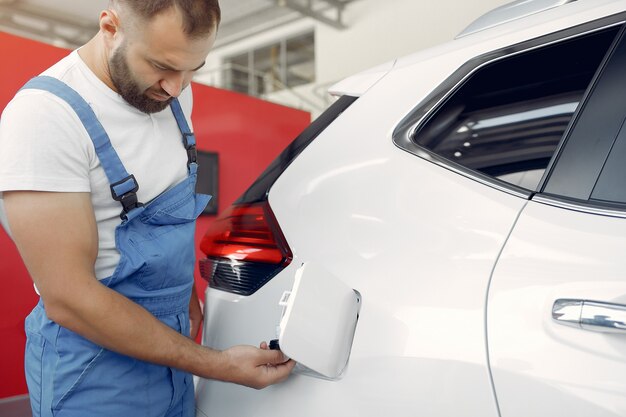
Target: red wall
{"points": [[247, 133]]}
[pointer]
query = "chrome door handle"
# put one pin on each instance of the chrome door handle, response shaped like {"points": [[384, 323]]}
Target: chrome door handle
{"points": [[590, 315]]}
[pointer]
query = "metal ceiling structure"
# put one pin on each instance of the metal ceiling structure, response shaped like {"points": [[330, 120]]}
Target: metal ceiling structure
{"points": [[70, 23]]}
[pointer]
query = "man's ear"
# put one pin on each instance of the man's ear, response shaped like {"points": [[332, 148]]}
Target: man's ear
{"points": [[110, 27]]}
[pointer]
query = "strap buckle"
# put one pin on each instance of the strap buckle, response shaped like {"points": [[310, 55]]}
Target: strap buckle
{"points": [[190, 146], [128, 198]]}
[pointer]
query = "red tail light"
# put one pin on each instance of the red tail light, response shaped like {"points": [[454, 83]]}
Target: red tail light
{"points": [[245, 249]]}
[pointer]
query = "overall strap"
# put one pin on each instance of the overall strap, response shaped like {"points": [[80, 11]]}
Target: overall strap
{"points": [[189, 139], [123, 186]]}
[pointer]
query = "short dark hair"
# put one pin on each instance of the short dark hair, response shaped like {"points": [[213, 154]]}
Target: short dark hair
{"points": [[200, 17]]}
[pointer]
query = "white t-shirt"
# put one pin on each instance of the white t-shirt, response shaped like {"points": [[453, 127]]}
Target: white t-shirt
{"points": [[44, 147]]}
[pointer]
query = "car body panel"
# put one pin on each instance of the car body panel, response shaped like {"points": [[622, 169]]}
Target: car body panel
{"points": [[509, 12], [358, 84], [419, 242], [540, 367], [338, 207]]}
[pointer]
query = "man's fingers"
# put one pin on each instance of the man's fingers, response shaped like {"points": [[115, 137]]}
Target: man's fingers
{"points": [[288, 365], [273, 357], [279, 372], [257, 368], [284, 369]]}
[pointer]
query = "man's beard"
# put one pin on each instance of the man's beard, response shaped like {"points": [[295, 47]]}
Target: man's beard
{"points": [[127, 87]]}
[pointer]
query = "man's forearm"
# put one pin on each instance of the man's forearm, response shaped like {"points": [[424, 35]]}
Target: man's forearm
{"points": [[111, 320], [116, 323]]}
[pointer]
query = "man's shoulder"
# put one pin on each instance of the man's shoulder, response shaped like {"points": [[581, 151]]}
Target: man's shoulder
{"points": [[36, 106], [36, 99], [44, 105], [39, 115], [63, 66]]}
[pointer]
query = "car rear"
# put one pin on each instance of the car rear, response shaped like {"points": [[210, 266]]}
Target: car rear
{"points": [[417, 241]]}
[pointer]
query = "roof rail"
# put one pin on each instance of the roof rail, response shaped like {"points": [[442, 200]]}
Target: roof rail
{"points": [[511, 11]]}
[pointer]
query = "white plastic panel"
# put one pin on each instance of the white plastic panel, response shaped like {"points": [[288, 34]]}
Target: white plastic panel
{"points": [[319, 322]]}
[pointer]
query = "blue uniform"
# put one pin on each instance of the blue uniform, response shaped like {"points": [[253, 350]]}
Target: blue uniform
{"points": [[68, 375]]}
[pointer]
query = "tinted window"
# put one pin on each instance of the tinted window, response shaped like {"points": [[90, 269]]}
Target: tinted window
{"points": [[611, 185], [591, 164], [507, 119]]}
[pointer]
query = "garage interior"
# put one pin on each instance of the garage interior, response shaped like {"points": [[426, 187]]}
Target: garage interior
{"points": [[264, 82]]}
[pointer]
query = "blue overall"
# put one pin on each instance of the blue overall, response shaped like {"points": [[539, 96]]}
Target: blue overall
{"points": [[67, 375]]}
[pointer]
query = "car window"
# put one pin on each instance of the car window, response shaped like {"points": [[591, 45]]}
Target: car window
{"points": [[590, 167], [507, 118], [611, 185]]}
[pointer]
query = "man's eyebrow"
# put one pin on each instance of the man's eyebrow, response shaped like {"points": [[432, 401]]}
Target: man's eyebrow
{"points": [[170, 68]]}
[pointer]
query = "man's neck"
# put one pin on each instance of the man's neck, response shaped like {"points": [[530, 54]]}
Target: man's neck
{"points": [[95, 56]]}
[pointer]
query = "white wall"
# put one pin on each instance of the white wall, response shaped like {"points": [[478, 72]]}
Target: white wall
{"points": [[378, 31], [382, 30]]}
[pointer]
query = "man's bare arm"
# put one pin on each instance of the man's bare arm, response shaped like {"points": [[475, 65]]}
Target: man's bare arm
{"points": [[57, 238], [196, 315]]}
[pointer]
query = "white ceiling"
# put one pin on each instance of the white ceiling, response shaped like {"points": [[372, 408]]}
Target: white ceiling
{"points": [[70, 23]]}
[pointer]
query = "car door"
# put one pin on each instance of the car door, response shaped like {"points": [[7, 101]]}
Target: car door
{"points": [[557, 300]]}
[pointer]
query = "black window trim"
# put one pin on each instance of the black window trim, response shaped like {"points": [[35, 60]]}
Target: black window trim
{"points": [[589, 207], [416, 119]]}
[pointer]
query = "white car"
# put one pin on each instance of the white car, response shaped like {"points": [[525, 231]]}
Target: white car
{"points": [[448, 239]]}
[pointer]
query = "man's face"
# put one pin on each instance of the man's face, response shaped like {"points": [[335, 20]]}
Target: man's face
{"points": [[129, 87], [154, 63]]}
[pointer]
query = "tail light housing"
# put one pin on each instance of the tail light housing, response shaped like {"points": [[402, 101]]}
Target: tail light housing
{"points": [[245, 248]]}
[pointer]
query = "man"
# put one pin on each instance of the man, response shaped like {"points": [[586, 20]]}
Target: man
{"points": [[109, 336]]}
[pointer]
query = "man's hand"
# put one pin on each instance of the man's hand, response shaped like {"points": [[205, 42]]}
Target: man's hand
{"points": [[256, 368]]}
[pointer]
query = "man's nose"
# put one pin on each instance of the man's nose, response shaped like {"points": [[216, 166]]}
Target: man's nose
{"points": [[173, 84]]}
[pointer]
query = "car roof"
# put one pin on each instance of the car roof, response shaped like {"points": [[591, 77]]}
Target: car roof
{"points": [[490, 37], [509, 12]]}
